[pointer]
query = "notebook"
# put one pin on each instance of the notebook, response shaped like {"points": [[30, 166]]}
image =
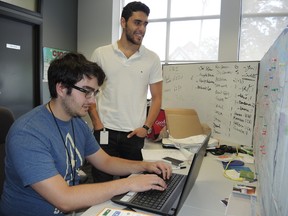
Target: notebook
{"points": [[175, 198]]}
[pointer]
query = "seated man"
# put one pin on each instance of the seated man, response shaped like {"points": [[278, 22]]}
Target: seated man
{"points": [[46, 147]]}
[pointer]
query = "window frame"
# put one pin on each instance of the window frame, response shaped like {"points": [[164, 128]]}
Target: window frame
{"points": [[229, 32]]}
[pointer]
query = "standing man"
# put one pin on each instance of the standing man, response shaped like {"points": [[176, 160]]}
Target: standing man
{"points": [[46, 147], [120, 119]]}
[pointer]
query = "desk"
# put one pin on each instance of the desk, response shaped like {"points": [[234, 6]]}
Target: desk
{"points": [[204, 199]]}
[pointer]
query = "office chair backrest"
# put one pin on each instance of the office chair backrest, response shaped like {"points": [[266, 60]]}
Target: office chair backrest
{"points": [[6, 120]]}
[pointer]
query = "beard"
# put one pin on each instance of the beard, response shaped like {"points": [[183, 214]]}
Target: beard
{"points": [[130, 37], [70, 109], [131, 40]]}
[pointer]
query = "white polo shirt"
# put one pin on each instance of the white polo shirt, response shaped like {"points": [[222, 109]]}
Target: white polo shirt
{"points": [[122, 100]]}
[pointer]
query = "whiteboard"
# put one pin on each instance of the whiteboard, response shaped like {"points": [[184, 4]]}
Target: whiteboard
{"points": [[223, 94]]}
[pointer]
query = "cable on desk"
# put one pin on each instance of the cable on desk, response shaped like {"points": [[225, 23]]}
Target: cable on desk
{"points": [[226, 168]]}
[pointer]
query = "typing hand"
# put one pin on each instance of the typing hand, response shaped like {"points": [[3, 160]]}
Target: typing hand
{"points": [[140, 183], [160, 168]]}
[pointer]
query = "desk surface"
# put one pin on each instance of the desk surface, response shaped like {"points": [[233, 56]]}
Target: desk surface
{"points": [[204, 199]]}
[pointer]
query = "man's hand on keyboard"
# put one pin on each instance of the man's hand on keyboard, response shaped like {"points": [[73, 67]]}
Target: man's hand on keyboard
{"points": [[160, 168], [144, 182]]}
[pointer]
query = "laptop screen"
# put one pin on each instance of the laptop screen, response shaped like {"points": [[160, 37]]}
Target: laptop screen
{"points": [[193, 172]]}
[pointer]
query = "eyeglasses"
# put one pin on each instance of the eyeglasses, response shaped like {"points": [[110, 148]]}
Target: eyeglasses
{"points": [[88, 93]]}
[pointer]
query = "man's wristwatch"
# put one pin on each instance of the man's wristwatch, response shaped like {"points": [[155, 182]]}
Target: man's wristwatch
{"points": [[149, 130]]}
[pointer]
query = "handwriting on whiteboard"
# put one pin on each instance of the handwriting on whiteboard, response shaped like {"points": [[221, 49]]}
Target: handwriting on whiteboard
{"points": [[223, 94]]}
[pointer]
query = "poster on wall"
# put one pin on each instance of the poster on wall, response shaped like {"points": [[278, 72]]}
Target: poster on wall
{"points": [[49, 54]]}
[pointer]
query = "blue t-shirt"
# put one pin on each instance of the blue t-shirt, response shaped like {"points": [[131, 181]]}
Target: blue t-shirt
{"points": [[35, 151]]}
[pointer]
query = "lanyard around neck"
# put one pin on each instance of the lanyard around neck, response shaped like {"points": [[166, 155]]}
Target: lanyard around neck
{"points": [[73, 170]]}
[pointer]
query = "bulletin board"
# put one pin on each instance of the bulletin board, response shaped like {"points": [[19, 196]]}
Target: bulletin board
{"points": [[271, 129], [49, 54], [223, 94]]}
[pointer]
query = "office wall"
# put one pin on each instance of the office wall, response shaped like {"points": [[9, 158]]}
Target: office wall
{"points": [[97, 24], [60, 24], [59, 29], [229, 30]]}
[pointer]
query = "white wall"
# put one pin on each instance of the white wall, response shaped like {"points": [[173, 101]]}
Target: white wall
{"points": [[94, 25], [229, 30]]}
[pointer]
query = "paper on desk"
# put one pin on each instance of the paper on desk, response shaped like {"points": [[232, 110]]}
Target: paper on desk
{"points": [[239, 205], [158, 154], [233, 174], [189, 141], [242, 157], [120, 212]]}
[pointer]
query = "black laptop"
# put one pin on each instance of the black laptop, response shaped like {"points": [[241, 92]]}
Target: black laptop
{"points": [[170, 201]]}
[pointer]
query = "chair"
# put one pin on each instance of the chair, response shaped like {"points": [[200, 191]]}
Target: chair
{"points": [[6, 120]]}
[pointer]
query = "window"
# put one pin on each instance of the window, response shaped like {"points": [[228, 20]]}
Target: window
{"points": [[262, 22], [183, 30]]}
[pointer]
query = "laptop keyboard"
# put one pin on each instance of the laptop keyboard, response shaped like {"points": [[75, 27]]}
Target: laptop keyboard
{"points": [[155, 199]]}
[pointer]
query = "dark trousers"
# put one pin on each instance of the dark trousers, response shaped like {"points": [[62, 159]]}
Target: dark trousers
{"points": [[119, 146]]}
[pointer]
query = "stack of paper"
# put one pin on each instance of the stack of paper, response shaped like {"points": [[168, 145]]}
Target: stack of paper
{"points": [[188, 142]]}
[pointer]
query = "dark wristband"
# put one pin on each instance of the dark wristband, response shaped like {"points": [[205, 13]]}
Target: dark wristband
{"points": [[147, 128]]}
